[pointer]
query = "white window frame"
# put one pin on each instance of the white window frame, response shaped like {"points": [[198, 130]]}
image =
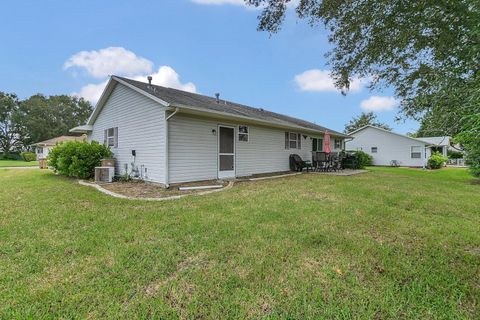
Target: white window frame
{"points": [[318, 145], [39, 150], [290, 140], [339, 141], [244, 134], [111, 138], [374, 149], [412, 152]]}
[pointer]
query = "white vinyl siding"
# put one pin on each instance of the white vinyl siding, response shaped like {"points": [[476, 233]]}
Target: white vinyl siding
{"points": [[390, 146], [140, 122], [193, 149]]}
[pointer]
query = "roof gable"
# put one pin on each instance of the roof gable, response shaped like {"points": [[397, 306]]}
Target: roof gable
{"points": [[386, 132]]}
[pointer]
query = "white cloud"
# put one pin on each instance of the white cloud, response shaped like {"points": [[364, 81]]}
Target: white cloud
{"points": [[321, 81], [219, 2], [166, 76], [378, 103], [108, 61], [91, 92]]}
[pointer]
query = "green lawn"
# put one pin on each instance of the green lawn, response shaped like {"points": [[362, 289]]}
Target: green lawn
{"points": [[391, 243], [17, 163]]}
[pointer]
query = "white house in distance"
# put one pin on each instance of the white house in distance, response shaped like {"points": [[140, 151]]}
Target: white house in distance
{"points": [[43, 148], [388, 148], [167, 136]]}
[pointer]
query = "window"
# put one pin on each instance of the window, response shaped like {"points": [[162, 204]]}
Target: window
{"points": [[111, 137], [374, 149], [293, 140], [338, 144], [317, 144], [416, 152], [243, 133], [39, 150]]}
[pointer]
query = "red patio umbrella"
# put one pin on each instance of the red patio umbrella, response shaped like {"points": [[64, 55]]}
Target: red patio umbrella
{"points": [[326, 141]]}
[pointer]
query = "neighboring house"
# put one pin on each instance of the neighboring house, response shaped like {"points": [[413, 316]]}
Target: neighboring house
{"points": [[386, 146], [169, 136], [440, 144], [43, 148]]}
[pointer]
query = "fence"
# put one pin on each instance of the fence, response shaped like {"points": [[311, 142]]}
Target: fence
{"points": [[456, 162]]}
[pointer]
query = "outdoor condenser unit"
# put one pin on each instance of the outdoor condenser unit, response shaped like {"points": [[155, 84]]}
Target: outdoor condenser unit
{"points": [[104, 174]]}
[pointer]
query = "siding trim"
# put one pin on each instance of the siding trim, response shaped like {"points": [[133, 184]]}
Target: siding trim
{"points": [[167, 178]]}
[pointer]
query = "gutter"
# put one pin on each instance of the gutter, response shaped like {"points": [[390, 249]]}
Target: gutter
{"points": [[208, 113], [167, 184]]}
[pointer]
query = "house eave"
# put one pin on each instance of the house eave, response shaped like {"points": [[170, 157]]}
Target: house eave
{"points": [[82, 129], [247, 120]]}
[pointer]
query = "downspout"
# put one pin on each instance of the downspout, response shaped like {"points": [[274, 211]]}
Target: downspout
{"points": [[167, 184], [347, 140]]}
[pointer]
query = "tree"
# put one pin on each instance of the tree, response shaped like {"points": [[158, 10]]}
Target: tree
{"points": [[428, 51], [469, 138], [47, 117], [9, 130], [364, 119]]}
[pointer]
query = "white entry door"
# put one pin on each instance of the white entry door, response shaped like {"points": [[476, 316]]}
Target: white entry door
{"points": [[226, 152]]}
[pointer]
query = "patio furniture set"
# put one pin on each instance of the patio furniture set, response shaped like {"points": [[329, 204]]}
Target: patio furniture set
{"points": [[321, 162]]}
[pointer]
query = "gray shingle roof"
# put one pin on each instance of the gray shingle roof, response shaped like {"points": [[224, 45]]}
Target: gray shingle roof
{"points": [[178, 97]]}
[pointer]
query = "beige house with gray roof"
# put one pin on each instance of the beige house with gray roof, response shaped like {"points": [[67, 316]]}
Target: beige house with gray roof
{"points": [[42, 148]]}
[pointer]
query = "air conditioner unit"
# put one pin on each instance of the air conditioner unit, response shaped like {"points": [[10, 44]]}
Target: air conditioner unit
{"points": [[104, 174]]}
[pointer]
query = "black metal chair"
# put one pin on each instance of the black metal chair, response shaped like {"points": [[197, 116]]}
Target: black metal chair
{"points": [[322, 162], [297, 164]]}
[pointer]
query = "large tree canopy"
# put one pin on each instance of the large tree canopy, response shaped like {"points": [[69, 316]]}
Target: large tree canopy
{"points": [[9, 130], [428, 51], [47, 117], [364, 119]]}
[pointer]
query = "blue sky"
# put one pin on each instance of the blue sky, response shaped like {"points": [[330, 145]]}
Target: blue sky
{"points": [[57, 47]]}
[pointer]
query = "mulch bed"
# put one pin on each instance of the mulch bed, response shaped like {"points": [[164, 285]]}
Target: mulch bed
{"points": [[141, 189]]}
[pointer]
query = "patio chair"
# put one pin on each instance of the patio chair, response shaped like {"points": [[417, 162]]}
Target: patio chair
{"points": [[322, 162], [297, 164], [333, 161]]}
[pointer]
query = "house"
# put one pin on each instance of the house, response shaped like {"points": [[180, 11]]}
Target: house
{"points": [[43, 148], [438, 144], [166, 135], [387, 147]]}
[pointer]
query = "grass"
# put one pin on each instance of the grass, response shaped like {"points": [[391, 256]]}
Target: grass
{"points": [[17, 163], [391, 243]]}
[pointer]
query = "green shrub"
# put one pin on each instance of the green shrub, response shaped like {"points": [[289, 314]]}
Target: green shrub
{"points": [[77, 159], [436, 160], [10, 156], [454, 154], [364, 159], [28, 156], [469, 138], [357, 160]]}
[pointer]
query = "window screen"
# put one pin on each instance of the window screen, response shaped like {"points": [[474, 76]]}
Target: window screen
{"points": [[416, 152]]}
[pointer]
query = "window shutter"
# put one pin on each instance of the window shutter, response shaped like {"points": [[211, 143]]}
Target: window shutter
{"points": [[299, 141], [287, 141], [105, 137], [115, 134], [314, 144]]}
